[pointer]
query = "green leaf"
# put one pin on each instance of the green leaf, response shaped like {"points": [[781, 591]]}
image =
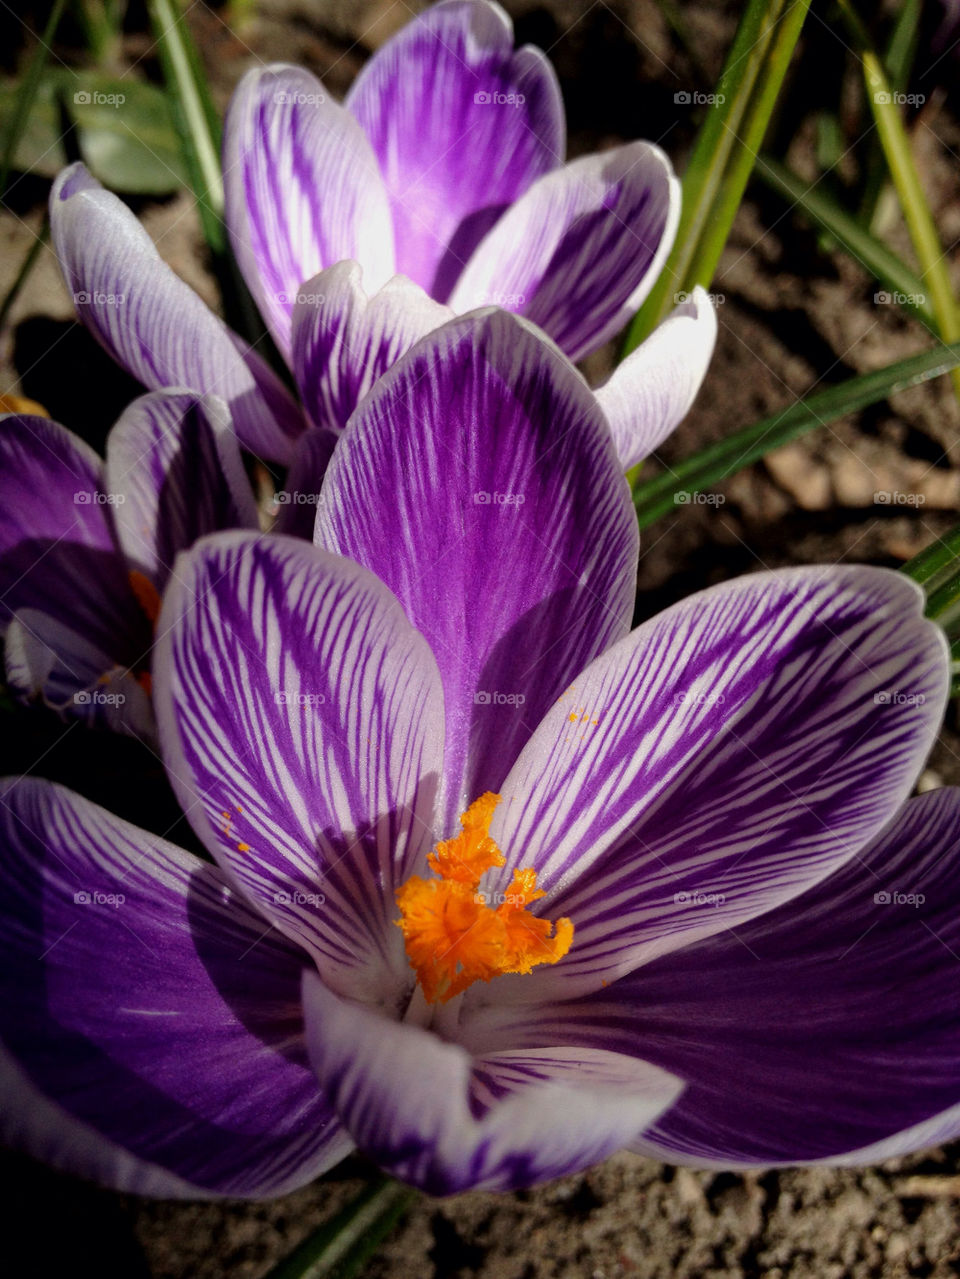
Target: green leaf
{"points": [[340, 1247], [195, 116], [657, 496], [27, 89], [882, 99], [724, 152], [124, 131], [872, 254]]}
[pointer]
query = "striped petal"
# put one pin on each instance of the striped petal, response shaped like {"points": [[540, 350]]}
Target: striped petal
{"points": [[651, 391], [174, 458], [302, 727], [827, 1029], [729, 754], [152, 323], [61, 574], [447, 1122], [302, 188], [71, 674], [478, 481], [147, 1003], [579, 252], [461, 125], [344, 340]]}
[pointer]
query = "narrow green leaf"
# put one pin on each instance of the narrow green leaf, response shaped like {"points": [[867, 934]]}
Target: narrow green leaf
{"points": [[898, 61], [26, 267], [721, 159], [900, 281], [933, 566], [340, 1247], [194, 115], [658, 496], [882, 100], [27, 91]]}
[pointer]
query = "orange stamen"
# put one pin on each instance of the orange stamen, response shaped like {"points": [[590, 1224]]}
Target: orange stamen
{"points": [[453, 936]]}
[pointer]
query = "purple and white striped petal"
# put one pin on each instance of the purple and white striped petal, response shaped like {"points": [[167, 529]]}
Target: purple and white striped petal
{"points": [[478, 481], [143, 998], [461, 125], [448, 1123], [827, 1029], [72, 675], [727, 755], [174, 459], [581, 250], [152, 323], [651, 391], [302, 725], [58, 556], [297, 502], [303, 190], [343, 340]]}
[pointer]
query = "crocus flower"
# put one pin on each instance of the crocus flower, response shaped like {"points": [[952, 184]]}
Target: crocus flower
{"points": [[87, 546], [437, 188], [438, 718]]}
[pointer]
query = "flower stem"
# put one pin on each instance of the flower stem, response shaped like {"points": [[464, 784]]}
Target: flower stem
{"points": [[338, 1248]]}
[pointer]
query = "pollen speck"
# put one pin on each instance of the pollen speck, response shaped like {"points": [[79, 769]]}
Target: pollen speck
{"points": [[453, 936], [243, 848]]}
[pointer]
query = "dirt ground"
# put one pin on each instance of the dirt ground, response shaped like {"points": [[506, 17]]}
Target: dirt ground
{"points": [[793, 315]]}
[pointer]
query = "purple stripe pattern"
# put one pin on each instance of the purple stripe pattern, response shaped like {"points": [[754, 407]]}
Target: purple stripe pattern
{"points": [[155, 1007], [737, 768], [462, 460], [82, 569]]}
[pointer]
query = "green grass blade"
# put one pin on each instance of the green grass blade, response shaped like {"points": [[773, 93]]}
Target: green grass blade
{"points": [[872, 254], [340, 1247], [895, 142], [746, 89], [26, 267], [28, 92], [744, 155], [657, 496], [195, 116], [934, 565]]}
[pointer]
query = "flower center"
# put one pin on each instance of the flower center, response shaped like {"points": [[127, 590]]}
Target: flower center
{"points": [[454, 934]]}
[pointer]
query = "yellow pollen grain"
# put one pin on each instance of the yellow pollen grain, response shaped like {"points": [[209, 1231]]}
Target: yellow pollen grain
{"points": [[452, 936]]}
